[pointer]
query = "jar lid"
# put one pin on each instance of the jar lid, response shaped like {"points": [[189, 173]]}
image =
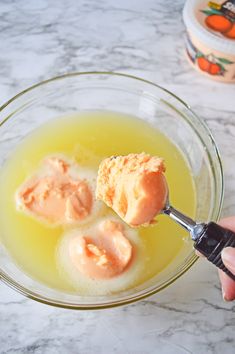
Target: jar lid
{"points": [[212, 22]]}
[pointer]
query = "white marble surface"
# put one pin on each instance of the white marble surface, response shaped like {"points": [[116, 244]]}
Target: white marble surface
{"points": [[43, 38]]}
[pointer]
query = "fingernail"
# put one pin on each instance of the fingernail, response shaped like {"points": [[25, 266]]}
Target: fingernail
{"points": [[223, 293], [224, 296], [228, 257]]}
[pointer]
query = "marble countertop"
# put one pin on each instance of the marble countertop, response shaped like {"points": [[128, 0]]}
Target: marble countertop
{"points": [[43, 38]]}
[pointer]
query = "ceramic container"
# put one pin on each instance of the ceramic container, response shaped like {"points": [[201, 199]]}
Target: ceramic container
{"points": [[210, 38]]}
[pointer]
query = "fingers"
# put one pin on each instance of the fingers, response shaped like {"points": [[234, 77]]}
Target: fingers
{"points": [[228, 258], [228, 223], [228, 286]]}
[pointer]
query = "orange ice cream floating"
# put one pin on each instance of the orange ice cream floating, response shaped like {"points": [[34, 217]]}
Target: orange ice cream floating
{"points": [[103, 253], [56, 193]]}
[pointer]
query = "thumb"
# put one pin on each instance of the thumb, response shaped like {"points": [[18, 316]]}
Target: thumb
{"points": [[228, 258]]}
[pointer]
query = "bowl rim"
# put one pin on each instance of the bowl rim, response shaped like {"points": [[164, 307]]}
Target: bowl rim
{"points": [[193, 257]]}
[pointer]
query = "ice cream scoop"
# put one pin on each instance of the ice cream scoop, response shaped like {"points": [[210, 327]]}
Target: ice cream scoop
{"points": [[135, 186], [209, 238]]}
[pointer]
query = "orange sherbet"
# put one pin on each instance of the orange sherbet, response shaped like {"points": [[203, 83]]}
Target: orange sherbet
{"points": [[134, 186], [55, 194], [103, 253]]}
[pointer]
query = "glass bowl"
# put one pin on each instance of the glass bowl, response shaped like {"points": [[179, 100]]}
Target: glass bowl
{"points": [[130, 95]]}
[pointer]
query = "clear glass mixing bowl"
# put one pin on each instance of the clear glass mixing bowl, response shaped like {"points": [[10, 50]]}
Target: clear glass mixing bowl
{"points": [[126, 94]]}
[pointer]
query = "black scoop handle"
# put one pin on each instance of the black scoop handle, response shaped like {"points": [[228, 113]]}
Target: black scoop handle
{"points": [[211, 243]]}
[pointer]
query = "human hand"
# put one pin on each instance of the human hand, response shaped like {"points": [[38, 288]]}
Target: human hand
{"points": [[228, 258]]}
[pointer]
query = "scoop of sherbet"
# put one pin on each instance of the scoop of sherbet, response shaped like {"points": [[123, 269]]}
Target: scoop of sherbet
{"points": [[103, 253], [134, 186], [55, 194]]}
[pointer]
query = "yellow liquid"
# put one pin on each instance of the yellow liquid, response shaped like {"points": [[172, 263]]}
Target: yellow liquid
{"points": [[88, 138]]}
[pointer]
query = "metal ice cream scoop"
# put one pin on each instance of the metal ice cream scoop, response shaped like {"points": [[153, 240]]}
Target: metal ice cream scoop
{"points": [[209, 239]]}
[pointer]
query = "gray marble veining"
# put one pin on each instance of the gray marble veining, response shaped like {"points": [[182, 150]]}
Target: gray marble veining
{"points": [[44, 38]]}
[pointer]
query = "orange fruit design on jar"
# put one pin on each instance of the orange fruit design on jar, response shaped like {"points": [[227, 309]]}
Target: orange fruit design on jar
{"points": [[209, 66], [218, 23], [214, 69], [230, 33], [210, 37], [203, 64]]}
